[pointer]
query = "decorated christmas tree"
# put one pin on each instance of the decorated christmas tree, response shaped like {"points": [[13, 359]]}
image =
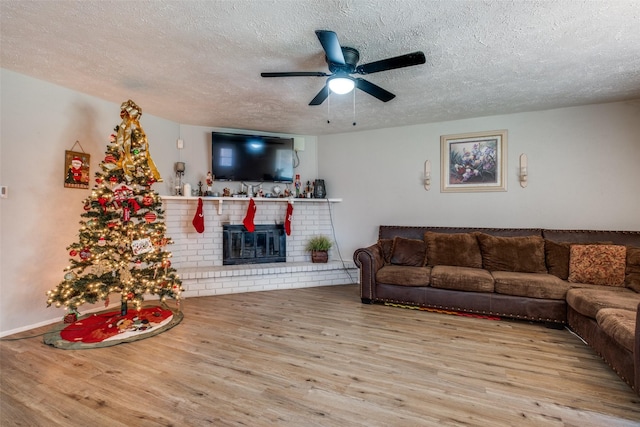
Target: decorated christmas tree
{"points": [[122, 244]]}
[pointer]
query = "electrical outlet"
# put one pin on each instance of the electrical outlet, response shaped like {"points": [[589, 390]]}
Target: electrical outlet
{"points": [[180, 144], [4, 192]]}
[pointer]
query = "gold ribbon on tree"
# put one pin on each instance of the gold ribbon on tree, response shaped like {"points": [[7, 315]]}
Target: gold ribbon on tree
{"points": [[130, 114]]}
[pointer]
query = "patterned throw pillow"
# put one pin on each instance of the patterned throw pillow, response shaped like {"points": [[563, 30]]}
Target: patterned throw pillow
{"points": [[597, 264]]}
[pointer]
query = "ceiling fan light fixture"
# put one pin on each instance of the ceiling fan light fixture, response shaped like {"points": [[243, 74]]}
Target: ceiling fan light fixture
{"points": [[341, 84]]}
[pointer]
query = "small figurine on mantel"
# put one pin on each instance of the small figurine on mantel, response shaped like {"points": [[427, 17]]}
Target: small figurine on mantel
{"points": [[200, 189], [209, 183]]}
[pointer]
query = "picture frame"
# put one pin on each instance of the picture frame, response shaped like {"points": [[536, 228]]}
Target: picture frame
{"points": [[473, 162], [76, 169]]}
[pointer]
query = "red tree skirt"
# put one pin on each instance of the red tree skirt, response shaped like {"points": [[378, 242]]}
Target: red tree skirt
{"points": [[111, 328]]}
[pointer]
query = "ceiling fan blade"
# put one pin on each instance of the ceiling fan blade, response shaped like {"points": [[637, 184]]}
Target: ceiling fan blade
{"points": [[296, 74], [374, 90], [331, 46], [321, 96], [415, 58]]}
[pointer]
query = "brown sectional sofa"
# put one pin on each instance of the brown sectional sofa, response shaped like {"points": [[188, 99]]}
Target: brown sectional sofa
{"points": [[586, 279]]}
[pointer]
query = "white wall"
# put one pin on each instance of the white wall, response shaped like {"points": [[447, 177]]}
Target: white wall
{"points": [[583, 174], [40, 218]]}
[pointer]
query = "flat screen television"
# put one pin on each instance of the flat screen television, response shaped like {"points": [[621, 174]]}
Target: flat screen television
{"points": [[256, 158]]}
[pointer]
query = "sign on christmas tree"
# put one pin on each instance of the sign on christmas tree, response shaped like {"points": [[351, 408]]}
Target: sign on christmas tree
{"points": [[121, 247]]}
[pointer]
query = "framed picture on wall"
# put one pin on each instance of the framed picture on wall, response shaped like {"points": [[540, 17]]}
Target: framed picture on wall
{"points": [[473, 162], [76, 169]]}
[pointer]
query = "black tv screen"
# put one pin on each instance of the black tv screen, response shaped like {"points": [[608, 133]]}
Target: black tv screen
{"points": [[239, 157]]}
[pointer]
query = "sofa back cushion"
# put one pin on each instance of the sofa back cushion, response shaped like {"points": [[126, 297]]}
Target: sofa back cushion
{"points": [[598, 264], [455, 249], [409, 252], [518, 254], [557, 258], [386, 245], [632, 272]]}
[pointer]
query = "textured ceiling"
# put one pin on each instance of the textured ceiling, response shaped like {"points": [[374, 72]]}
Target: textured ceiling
{"points": [[199, 62]]}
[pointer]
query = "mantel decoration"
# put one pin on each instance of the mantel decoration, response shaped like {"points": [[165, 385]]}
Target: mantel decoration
{"points": [[473, 162], [121, 247], [319, 247], [76, 168]]}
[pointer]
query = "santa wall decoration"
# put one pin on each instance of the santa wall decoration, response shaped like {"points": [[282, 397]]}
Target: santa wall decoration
{"points": [[76, 168]]}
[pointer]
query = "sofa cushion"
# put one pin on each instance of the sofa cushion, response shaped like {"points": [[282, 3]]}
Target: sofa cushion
{"points": [[404, 275], [523, 254], [588, 301], [619, 324], [597, 264], [409, 252], [458, 249], [386, 245], [461, 278], [532, 285], [557, 258], [632, 271]]}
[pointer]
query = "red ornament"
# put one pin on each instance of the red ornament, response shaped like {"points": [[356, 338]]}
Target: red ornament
{"points": [[70, 318], [111, 224], [103, 202], [73, 252], [87, 206], [151, 181], [113, 179], [126, 214], [130, 296], [147, 200], [149, 217], [110, 159], [99, 180]]}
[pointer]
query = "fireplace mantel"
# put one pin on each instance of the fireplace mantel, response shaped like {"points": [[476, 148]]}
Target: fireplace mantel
{"points": [[220, 200]]}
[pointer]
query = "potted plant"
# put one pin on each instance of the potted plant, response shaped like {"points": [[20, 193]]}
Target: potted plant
{"points": [[318, 246]]}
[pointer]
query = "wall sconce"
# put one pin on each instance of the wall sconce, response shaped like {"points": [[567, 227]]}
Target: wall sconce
{"points": [[524, 171], [179, 168], [427, 175]]}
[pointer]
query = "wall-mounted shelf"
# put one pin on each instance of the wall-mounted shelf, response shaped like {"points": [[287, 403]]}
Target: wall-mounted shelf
{"points": [[220, 200]]}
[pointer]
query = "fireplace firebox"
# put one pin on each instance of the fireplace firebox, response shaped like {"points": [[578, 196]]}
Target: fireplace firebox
{"points": [[266, 244]]}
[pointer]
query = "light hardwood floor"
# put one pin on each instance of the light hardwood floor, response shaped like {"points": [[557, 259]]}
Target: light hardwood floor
{"points": [[317, 357]]}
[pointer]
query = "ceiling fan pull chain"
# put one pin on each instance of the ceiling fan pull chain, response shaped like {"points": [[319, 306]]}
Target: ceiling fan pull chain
{"points": [[329, 107], [354, 107]]}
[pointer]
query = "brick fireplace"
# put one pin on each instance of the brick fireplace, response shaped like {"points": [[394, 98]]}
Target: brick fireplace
{"points": [[198, 257]]}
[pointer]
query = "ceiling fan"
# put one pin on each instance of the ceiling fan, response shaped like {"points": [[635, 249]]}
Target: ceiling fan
{"points": [[342, 62]]}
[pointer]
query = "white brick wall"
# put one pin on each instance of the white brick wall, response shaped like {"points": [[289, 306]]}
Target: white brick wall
{"points": [[198, 257]]}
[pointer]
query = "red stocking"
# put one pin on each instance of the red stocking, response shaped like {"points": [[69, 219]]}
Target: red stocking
{"points": [[251, 213], [198, 220], [288, 218]]}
